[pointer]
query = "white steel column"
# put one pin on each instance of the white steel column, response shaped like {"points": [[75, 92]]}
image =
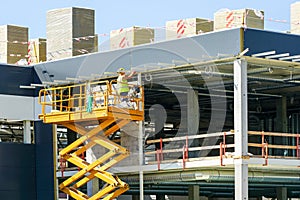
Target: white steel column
{"points": [[26, 132], [141, 147], [193, 119], [240, 129], [192, 112]]}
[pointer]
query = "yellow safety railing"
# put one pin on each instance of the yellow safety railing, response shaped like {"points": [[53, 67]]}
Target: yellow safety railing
{"points": [[88, 96], [135, 95]]}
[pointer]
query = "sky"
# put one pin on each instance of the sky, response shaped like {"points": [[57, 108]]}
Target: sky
{"points": [[112, 14]]}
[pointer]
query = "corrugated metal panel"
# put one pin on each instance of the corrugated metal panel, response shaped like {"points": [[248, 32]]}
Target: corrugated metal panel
{"points": [[17, 171], [187, 27]]}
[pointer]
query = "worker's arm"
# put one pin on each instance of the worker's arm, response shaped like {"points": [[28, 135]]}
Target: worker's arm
{"points": [[130, 75]]}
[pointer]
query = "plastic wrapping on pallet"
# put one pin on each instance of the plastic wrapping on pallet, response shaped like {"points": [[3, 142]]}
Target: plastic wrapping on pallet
{"points": [[187, 27], [295, 18], [15, 46], [249, 18], [37, 50], [132, 36], [70, 32]]}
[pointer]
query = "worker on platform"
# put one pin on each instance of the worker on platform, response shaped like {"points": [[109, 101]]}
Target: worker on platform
{"points": [[122, 83]]}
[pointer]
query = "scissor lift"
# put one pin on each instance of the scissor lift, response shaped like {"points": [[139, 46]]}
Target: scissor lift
{"points": [[94, 110]]}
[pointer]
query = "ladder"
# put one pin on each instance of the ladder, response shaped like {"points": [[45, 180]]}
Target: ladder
{"points": [[92, 109]]}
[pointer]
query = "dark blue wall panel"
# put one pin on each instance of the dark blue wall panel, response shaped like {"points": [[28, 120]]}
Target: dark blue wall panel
{"points": [[11, 77], [17, 171], [261, 41], [44, 161]]}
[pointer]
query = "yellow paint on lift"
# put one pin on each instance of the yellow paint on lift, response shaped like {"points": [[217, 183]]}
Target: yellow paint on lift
{"points": [[105, 117]]}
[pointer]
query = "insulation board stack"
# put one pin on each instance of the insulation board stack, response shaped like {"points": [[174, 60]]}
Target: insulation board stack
{"points": [[13, 43], [131, 36], [295, 18], [37, 50], [70, 32], [187, 27], [239, 18]]}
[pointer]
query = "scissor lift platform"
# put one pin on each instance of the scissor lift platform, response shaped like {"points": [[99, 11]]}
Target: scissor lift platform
{"points": [[95, 111], [99, 114]]}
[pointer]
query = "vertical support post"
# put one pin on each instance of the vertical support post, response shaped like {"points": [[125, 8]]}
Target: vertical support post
{"points": [[194, 192], [160, 197], [55, 160], [141, 147], [135, 197], [297, 146], [193, 117], [192, 112], [26, 132], [161, 149], [281, 115], [93, 187], [240, 129], [281, 125], [281, 193]]}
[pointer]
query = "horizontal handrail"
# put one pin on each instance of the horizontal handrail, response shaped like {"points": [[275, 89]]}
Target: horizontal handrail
{"points": [[272, 134], [190, 149], [264, 147], [190, 137]]}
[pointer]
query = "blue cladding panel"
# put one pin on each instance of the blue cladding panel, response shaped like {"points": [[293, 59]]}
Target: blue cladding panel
{"points": [[44, 161], [17, 171], [11, 77], [261, 41]]}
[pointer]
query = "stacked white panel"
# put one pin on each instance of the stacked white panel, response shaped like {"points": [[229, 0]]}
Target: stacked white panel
{"points": [[70, 32], [187, 27], [295, 18], [132, 36], [13, 44], [37, 50], [248, 18]]}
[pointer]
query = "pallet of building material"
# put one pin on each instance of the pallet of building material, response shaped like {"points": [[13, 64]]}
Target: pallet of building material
{"points": [[70, 32], [37, 50], [187, 27], [295, 18], [132, 36], [16, 43], [249, 18]]}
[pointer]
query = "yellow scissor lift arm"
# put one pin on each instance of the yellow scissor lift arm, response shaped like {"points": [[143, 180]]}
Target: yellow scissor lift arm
{"points": [[92, 109]]}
